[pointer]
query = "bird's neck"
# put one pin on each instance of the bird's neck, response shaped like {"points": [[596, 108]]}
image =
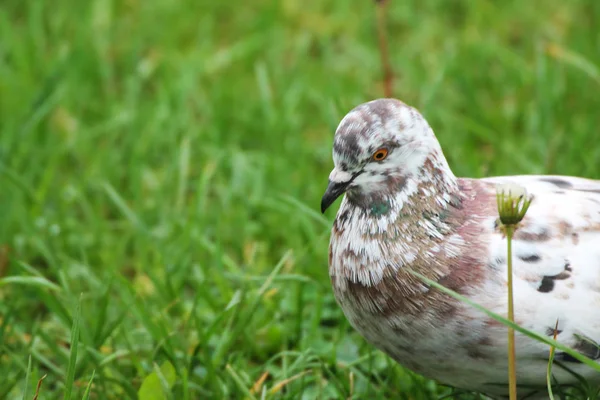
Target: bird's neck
{"points": [[375, 233], [409, 229]]}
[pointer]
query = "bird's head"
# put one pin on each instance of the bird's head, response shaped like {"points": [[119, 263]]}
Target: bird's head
{"points": [[378, 147]]}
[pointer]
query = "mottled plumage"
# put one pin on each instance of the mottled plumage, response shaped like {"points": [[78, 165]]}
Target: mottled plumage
{"points": [[409, 211]]}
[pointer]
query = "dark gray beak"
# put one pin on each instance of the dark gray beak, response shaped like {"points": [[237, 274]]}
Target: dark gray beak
{"points": [[334, 190]]}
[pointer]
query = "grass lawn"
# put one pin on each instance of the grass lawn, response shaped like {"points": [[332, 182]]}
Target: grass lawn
{"points": [[162, 164]]}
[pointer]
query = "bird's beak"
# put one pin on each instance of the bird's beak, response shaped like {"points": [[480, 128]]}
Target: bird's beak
{"points": [[338, 184]]}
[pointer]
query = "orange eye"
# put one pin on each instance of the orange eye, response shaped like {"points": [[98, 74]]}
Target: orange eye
{"points": [[380, 155]]}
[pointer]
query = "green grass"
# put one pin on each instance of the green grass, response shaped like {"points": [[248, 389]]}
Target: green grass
{"points": [[161, 166]]}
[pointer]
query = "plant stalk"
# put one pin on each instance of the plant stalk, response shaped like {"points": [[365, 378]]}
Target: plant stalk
{"points": [[512, 363], [386, 65]]}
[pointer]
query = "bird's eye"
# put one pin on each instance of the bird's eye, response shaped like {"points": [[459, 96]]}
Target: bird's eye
{"points": [[380, 155]]}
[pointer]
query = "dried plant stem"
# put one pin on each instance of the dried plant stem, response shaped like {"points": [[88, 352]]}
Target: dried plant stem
{"points": [[512, 364], [550, 361], [386, 66], [39, 385]]}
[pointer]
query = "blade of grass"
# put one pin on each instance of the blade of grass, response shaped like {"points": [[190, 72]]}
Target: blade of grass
{"points": [[239, 382], [305, 209], [86, 394], [73, 353], [575, 60], [121, 204], [184, 171], [185, 384], [35, 281], [26, 388]]}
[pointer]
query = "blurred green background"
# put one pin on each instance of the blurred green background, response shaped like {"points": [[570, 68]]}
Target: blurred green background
{"points": [[162, 163]]}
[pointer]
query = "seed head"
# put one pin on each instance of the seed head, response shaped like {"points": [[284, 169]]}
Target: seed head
{"points": [[513, 203]]}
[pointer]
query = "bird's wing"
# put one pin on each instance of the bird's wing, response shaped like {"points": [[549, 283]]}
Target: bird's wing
{"points": [[556, 259]]}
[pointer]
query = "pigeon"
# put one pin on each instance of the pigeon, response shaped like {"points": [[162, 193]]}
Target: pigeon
{"points": [[404, 211]]}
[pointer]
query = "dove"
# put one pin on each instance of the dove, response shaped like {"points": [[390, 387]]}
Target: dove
{"points": [[404, 211]]}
